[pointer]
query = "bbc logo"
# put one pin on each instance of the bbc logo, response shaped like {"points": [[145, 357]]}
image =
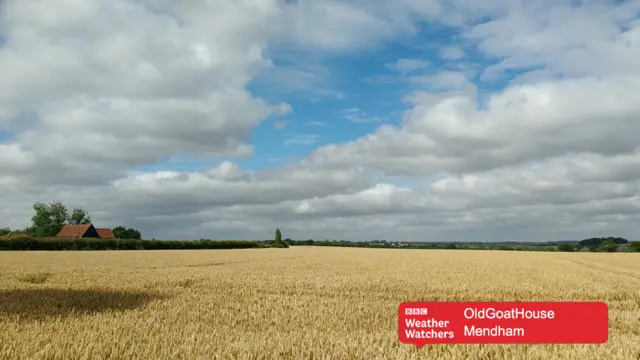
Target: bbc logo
{"points": [[416, 311]]}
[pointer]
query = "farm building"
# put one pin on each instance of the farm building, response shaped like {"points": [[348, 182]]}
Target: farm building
{"points": [[105, 233], [78, 231], [13, 235]]}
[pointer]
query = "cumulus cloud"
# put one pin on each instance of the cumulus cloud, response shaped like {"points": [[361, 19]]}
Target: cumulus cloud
{"points": [[523, 123], [351, 25], [168, 82], [596, 39], [553, 155]]}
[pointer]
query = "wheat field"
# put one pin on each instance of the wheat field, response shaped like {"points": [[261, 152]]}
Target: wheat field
{"points": [[296, 303]]}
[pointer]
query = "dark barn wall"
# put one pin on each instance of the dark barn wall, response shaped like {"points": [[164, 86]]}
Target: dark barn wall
{"points": [[91, 233]]}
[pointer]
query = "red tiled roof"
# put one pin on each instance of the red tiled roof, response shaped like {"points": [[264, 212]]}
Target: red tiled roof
{"points": [[73, 230], [105, 233]]}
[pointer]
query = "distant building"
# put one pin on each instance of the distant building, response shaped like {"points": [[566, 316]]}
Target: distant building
{"points": [[105, 233], [15, 234], [78, 231]]}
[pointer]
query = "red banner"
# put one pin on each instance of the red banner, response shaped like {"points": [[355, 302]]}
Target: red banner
{"points": [[422, 323]]}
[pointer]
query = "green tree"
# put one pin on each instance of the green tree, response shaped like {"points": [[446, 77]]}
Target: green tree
{"points": [[566, 247], [122, 232], [4, 231], [608, 245], [79, 217], [278, 243], [48, 219], [118, 231]]}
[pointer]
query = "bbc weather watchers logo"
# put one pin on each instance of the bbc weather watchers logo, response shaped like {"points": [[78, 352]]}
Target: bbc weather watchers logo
{"points": [[416, 311]]}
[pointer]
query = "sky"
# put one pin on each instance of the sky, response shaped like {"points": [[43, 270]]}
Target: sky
{"points": [[407, 120]]}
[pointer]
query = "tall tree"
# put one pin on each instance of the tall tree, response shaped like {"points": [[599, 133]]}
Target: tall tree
{"points": [[48, 219], [278, 236], [79, 217], [5, 231]]}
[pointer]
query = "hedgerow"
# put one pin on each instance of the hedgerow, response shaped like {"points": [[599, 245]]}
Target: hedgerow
{"points": [[27, 243]]}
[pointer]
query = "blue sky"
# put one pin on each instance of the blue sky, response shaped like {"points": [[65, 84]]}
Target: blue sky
{"points": [[361, 83]]}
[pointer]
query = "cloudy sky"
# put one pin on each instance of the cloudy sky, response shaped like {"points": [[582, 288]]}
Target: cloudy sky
{"points": [[465, 120]]}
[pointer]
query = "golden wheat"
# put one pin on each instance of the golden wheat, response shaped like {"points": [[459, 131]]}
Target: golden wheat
{"points": [[298, 303]]}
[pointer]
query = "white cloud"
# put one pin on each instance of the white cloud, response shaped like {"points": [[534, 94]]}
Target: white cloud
{"points": [[348, 25], [105, 100], [525, 123], [565, 40]]}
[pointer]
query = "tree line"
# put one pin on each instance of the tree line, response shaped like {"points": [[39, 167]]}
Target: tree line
{"points": [[607, 245], [49, 219], [599, 241]]}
